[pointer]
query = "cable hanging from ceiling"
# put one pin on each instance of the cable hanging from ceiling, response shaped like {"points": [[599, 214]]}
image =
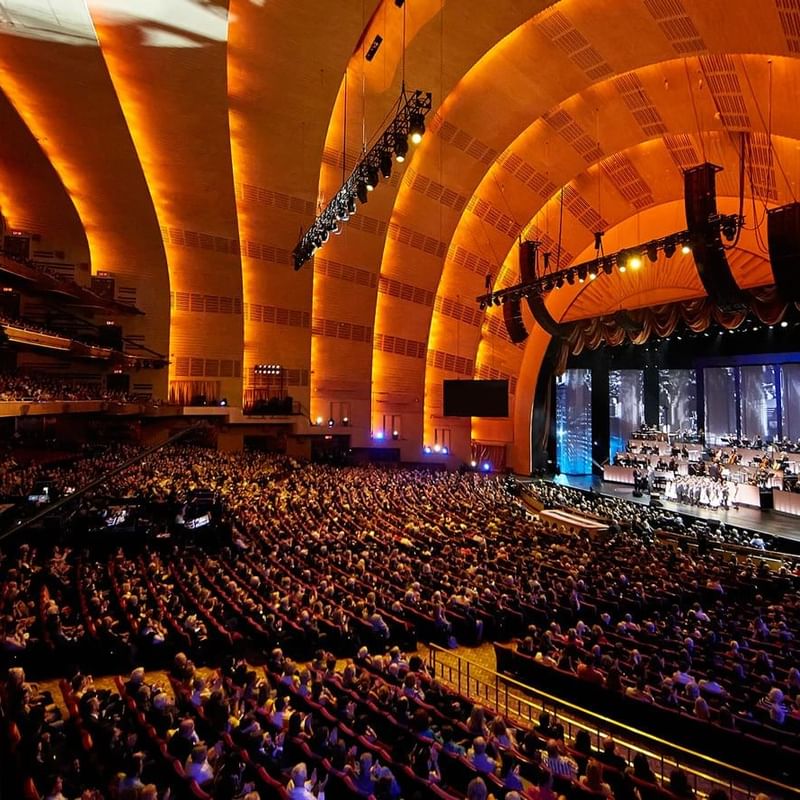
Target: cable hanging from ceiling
{"points": [[391, 145]]}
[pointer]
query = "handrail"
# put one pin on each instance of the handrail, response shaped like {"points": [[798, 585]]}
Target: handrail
{"points": [[634, 732]]}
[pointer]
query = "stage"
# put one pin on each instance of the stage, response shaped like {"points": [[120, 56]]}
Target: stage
{"points": [[770, 522]]}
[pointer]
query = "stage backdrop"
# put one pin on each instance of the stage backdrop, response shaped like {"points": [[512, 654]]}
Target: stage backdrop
{"points": [[721, 402], [574, 422], [625, 406], [790, 396], [677, 400]]}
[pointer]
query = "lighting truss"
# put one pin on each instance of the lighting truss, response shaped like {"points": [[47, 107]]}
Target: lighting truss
{"points": [[392, 144], [622, 260]]}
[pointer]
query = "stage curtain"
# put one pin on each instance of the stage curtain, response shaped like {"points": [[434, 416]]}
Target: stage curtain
{"points": [[639, 325], [182, 392], [494, 454]]}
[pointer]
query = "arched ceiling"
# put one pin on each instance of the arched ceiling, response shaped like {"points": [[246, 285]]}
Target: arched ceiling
{"points": [[230, 123]]}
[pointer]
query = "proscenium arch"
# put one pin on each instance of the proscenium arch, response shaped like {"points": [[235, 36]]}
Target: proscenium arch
{"points": [[378, 330]]}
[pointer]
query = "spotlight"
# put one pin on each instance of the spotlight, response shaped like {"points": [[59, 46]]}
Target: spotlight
{"points": [[345, 420], [331, 422], [372, 178], [224, 401], [570, 277], [652, 252], [361, 191], [623, 268], [598, 240], [416, 127], [483, 305], [373, 48], [634, 262], [351, 204], [784, 324], [427, 449], [379, 435], [437, 448], [592, 275], [686, 249], [729, 229], [386, 164], [497, 300], [559, 281], [473, 464], [395, 435], [319, 420], [486, 466], [445, 451], [669, 249], [324, 236], [400, 147], [608, 266]]}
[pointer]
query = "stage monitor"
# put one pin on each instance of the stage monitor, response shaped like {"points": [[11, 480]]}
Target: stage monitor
{"points": [[475, 398]]}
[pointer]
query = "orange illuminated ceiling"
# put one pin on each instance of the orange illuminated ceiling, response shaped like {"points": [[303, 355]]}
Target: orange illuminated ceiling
{"points": [[551, 120]]}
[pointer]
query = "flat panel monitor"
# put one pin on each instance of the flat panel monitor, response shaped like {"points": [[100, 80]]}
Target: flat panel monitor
{"points": [[476, 398]]}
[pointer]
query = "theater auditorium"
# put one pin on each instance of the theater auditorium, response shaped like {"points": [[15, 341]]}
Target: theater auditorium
{"points": [[399, 400]]}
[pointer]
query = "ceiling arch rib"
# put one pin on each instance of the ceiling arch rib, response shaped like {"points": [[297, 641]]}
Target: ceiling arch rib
{"points": [[523, 178], [346, 279], [62, 91], [630, 21], [32, 197], [174, 95], [276, 151]]}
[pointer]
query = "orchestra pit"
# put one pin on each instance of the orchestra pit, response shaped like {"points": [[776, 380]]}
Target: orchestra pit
{"points": [[399, 400]]}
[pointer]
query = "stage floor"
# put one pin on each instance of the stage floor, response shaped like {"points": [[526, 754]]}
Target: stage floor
{"points": [[771, 522]]}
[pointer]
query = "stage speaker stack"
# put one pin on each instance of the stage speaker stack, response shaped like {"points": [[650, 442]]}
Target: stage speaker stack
{"points": [[783, 238], [512, 316], [700, 198]]}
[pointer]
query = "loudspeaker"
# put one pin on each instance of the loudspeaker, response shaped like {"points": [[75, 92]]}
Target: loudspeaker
{"points": [[700, 199], [515, 325], [783, 237]]}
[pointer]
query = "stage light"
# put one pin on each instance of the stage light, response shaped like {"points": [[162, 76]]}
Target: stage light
{"points": [[437, 448], [351, 204], [729, 229], [598, 240], [592, 275], [623, 268], [373, 48], [416, 127], [386, 164], [652, 252], [784, 324], [427, 449], [372, 178], [379, 435], [400, 147], [224, 401], [331, 422], [570, 277], [473, 464], [345, 420], [608, 266], [486, 466], [497, 300], [669, 249], [445, 451], [483, 305], [559, 281], [361, 191], [395, 435], [319, 420], [686, 249], [634, 262]]}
